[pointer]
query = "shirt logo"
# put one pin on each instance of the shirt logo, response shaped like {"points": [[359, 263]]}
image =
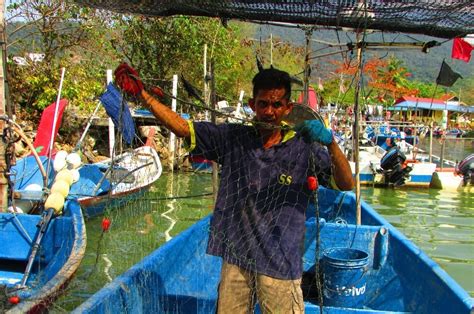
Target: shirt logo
{"points": [[285, 179]]}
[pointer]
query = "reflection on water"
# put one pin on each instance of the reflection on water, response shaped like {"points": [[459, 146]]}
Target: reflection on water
{"points": [[440, 222]]}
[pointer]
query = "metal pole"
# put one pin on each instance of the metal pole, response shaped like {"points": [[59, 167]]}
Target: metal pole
{"points": [[431, 141], [3, 164], [355, 133], [215, 169], [308, 35]]}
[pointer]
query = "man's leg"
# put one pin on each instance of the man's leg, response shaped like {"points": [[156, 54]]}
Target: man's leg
{"points": [[279, 296], [236, 290]]}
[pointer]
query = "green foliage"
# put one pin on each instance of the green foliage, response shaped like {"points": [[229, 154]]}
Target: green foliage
{"points": [[159, 48]]}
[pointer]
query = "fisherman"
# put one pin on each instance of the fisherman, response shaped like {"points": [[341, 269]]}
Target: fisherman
{"points": [[258, 222]]}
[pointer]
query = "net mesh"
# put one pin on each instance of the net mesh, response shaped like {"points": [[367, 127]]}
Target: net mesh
{"points": [[437, 18]]}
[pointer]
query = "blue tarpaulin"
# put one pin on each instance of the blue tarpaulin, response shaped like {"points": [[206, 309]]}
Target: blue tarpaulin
{"points": [[115, 107]]}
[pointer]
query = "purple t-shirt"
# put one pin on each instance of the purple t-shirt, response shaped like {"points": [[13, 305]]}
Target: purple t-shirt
{"points": [[259, 217]]}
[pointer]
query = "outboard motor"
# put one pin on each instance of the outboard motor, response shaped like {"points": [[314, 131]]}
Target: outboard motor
{"points": [[466, 169], [393, 167]]}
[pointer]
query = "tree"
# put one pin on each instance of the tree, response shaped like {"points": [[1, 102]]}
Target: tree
{"points": [[61, 34]]}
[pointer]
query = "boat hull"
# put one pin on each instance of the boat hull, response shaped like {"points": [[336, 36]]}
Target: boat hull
{"points": [[138, 171], [62, 250], [180, 277]]}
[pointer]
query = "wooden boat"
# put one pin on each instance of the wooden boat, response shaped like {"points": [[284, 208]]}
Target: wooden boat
{"points": [[40, 251], [102, 185], [60, 253], [180, 277], [62, 250]]}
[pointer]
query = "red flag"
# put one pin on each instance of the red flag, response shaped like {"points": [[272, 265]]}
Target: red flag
{"points": [[461, 50]]}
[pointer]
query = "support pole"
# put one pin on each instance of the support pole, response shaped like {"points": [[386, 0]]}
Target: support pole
{"points": [[215, 168], [3, 148], [172, 141], [355, 133], [206, 83], [111, 123]]}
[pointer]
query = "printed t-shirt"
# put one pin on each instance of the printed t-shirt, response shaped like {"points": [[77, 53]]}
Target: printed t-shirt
{"points": [[259, 217]]}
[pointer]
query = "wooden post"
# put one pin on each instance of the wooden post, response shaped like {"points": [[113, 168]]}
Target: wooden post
{"points": [[215, 168], [172, 141], [206, 84], [3, 179]]}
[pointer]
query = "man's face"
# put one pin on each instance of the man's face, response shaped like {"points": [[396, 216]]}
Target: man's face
{"points": [[271, 105]]}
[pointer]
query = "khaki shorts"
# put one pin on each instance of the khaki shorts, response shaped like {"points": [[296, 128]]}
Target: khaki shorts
{"points": [[240, 289]]}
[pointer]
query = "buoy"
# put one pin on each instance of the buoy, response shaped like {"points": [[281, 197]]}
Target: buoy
{"points": [[56, 202], [14, 299], [65, 175], [60, 160], [75, 175], [73, 161], [61, 187], [33, 187]]}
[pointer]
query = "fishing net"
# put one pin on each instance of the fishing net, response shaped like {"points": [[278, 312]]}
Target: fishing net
{"points": [[437, 18]]}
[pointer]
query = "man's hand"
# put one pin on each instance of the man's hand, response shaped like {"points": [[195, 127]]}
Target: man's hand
{"points": [[314, 131], [128, 80]]}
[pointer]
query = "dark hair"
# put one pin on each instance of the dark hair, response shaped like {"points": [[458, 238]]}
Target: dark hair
{"points": [[271, 78]]}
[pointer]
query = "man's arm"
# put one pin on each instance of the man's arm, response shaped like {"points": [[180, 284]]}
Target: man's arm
{"points": [[170, 119], [342, 172]]}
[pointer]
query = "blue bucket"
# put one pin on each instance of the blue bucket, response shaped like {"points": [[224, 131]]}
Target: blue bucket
{"points": [[344, 282]]}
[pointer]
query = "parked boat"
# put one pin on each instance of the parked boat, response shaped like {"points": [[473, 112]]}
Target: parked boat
{"points": [[113, 182], [40, 252], [392, 167], [180, 277]]}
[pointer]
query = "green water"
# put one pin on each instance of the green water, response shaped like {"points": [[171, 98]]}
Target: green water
{"points": [[440, 222]]}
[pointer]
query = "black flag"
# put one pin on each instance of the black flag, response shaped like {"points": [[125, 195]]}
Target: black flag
{"points": [[447, 77]]}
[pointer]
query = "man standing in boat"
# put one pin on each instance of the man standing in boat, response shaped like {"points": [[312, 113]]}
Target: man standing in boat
{"points": [[258, 222]]}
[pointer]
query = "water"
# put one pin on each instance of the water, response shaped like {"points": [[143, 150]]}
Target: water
{"points": [[440, 222]]}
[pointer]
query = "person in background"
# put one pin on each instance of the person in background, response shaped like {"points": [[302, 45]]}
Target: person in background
{"points": [[258, 222]]}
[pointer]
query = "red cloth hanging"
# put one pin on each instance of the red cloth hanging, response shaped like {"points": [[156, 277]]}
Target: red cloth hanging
{"points": [[43, 135]]}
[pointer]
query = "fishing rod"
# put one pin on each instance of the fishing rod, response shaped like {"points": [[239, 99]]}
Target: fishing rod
{"points": [[56, 110]]}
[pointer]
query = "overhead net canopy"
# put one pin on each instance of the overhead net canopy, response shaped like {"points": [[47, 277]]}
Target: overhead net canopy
{"points": [[436, 18]]}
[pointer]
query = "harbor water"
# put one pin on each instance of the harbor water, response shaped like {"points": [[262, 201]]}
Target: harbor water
{"points": [[440, 222]]}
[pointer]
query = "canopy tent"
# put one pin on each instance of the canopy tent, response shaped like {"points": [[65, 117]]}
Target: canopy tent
{"points": [[405, 103], [437, 18]]}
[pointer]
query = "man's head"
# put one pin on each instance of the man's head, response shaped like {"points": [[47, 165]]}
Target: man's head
{"points": [[271, 96]]}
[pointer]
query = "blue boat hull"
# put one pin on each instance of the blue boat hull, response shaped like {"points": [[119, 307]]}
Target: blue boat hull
{"points": [[61, 251], [180, 277]]}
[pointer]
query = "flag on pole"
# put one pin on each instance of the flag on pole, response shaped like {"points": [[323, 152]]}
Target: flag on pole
{"points": [[447, 77], [461, 50]]}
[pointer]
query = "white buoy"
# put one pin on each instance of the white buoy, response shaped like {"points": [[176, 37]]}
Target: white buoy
{"points": [[73, 161], [75, 175]]}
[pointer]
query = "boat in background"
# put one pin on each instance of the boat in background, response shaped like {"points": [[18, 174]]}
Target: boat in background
{"points": [[113, 182], [396, 276]]}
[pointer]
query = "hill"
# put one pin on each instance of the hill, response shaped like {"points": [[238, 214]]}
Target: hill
{"points": [[423, 66]]}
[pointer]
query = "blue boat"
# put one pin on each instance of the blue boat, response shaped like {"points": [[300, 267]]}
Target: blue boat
{"points": [[102, 185], [398, 277], [40, 251]]}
